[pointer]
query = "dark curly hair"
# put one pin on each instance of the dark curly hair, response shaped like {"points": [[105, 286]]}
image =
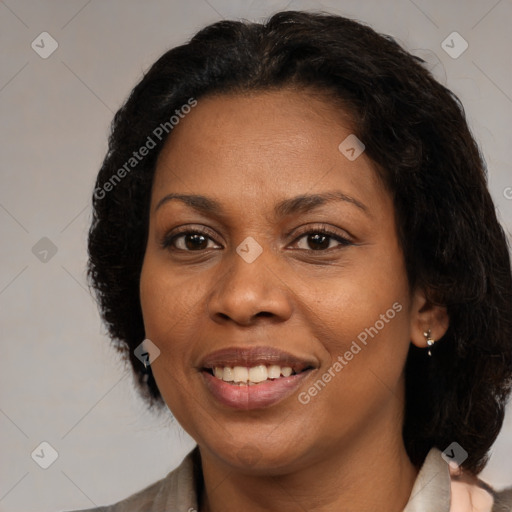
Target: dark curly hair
{"points": [[416, 134]]}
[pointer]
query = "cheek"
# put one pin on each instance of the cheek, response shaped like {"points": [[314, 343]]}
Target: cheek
{"points": [[365, 337], [361, 314], [370, 333], [166, 296], [357, 298], [155, 304], [167, 304]]}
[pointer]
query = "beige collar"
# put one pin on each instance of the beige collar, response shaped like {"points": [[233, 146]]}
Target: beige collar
{"points": [[436, 488], [431, 490]]}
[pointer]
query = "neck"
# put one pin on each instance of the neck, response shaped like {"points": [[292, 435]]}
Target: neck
{"points": [[369, 473]]}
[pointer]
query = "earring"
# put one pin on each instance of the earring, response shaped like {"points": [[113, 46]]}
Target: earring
{"points": [[430, 341]]}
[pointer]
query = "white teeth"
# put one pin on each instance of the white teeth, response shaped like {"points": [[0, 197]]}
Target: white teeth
{"points": [[240, 374], [258, 373], [286, 371], [253, 375], [227, 374], [274, 371]]}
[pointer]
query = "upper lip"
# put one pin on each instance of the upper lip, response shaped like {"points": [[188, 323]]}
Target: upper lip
{"points": [[253, 356]]}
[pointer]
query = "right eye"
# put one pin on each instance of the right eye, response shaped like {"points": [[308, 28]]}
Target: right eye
{"points": [[189, 241]]}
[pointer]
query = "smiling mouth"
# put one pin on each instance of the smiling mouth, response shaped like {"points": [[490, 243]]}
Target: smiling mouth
{"points": [[254, 375]]}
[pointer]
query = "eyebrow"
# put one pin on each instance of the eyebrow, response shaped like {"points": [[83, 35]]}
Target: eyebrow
{"points": [[298, 204]]}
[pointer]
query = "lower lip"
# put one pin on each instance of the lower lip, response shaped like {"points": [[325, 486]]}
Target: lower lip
{"points": [[264, 394]]}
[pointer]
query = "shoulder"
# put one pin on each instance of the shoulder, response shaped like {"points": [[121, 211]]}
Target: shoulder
{"points": [[444, 488], [502, 500], [142, 500], [470, 493], [176, 491]]}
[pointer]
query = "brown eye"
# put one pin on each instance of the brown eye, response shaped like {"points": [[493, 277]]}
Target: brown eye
{"points": [[189, 241], [318, 241], [194, 242], [321, 240]]}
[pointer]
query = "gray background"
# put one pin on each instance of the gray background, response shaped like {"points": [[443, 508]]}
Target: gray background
{"points": [[60, 381]]}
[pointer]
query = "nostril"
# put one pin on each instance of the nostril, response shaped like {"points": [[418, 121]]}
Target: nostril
{"points": [[264, 314]]}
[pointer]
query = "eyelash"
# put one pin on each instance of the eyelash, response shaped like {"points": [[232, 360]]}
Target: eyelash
{"points": [[169, 240]]}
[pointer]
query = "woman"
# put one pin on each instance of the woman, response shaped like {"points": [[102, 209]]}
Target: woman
{"points": [[294, 217]]}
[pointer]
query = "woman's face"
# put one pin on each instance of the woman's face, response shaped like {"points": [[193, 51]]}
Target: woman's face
{"points": [[281, 252]]}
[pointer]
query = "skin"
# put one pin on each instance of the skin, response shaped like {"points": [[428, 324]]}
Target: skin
{"points": [[343, 450]]}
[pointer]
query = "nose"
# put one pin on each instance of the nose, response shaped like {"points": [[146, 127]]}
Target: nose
{"points": [[247, 293]]}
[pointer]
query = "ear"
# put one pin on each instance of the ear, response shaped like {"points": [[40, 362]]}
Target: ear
{"points": [[425, 316]]}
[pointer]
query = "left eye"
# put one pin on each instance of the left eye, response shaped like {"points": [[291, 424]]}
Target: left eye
{"points": [[321, 240]]}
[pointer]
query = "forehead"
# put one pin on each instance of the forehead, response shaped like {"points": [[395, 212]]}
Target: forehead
{"points": [[280, 143], [267, 118]]}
